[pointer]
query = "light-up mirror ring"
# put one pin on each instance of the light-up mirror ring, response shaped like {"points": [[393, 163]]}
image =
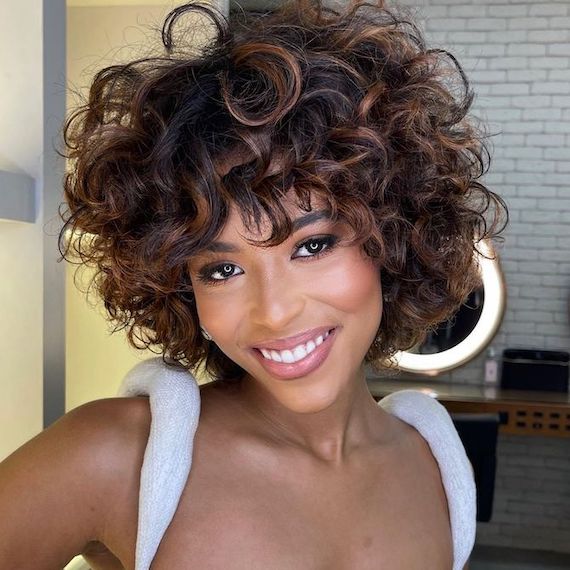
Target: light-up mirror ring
{"points": [[491, 316]]}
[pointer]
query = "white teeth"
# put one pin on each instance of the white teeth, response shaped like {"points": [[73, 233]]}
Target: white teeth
{"points": [[296, 354], [299, 352], [287, 356]]}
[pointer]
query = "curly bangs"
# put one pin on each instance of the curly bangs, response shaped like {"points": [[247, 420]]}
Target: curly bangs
{"points": [[346, 104]]}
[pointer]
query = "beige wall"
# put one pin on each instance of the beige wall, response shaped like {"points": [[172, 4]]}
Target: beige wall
{"points": [[21, 244], [96, 361], [21, 314]]}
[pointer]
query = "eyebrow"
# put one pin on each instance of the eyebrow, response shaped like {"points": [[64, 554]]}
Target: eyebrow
{"points": [[299, 223]]}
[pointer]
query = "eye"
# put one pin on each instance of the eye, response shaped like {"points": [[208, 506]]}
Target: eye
{"points": [[217, 273], [315, 246]]}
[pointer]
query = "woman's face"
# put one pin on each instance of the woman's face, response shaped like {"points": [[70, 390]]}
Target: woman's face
{"points": [[254, 296]]}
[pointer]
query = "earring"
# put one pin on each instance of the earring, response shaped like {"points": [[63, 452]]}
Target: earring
{"points": [[205, 334]]}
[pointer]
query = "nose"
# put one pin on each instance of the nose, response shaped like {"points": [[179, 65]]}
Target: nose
{"points": [[275, 300]]}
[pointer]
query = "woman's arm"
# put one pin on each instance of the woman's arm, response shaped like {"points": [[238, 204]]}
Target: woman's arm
{"points": [[56, 490]]}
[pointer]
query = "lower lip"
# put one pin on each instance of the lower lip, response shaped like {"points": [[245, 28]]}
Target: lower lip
{"points": [[288, 371]]}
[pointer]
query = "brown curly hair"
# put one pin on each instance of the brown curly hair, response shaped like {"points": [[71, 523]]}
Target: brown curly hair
{"points": [[358, 111]]}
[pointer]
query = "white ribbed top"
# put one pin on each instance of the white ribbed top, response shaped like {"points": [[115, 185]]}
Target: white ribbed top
{"points": [[175, 408]]}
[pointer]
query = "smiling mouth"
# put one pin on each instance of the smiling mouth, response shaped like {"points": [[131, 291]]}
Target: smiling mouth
{"points": [[299, 365], [294, 354]]}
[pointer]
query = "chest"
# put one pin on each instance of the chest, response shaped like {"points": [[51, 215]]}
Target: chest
{"points": [[389, 511]]}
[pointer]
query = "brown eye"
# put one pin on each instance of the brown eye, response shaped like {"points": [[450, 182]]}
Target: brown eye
{"points": [[217, 273], [317, 246], [223, 272]]}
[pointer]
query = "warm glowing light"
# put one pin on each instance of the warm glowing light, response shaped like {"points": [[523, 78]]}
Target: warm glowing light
{"points": [[482, 333]]}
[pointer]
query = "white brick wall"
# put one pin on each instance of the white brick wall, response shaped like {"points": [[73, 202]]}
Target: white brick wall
{"points": [[517, 57]]}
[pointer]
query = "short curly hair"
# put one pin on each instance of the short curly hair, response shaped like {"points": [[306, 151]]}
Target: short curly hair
{"points": [[359, 112]]}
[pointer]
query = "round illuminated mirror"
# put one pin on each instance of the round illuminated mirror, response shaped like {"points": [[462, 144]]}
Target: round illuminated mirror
{"points": [[460, 339]]}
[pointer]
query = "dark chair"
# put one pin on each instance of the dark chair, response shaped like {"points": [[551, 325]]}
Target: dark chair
{"points": [[478, 433]]}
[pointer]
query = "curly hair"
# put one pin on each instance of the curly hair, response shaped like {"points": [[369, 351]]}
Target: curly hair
{"points": [[359, 112]]}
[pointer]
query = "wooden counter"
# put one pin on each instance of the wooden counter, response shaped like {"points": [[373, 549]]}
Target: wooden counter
{"points": [[521, 412]]}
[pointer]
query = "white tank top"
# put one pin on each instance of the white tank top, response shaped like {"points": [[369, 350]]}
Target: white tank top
{"points": [[175, 408]]}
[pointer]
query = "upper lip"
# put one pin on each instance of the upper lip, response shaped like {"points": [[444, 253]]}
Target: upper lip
{"points": [[293, 341]]}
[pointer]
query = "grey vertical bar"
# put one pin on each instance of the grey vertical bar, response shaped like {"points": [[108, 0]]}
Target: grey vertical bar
{"points": [[53, 167], [17, 197]]}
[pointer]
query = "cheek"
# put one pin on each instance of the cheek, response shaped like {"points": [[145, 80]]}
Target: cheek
{"points": [[216, 314], [212, 312], [210, 304], [354, 284]]}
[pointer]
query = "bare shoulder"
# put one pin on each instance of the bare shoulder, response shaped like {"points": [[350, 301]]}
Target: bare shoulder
{"points": [[420, 450], [73, 477], [116, 420], [426, 489], [111, 434], [124, 426]]}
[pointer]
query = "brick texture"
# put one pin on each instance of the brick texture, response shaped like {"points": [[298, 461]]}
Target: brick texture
{"points": [[517, 58]]}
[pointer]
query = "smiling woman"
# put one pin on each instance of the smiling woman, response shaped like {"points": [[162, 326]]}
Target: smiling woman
{"points": [[280, 312], [349, 108], [297, 201]]}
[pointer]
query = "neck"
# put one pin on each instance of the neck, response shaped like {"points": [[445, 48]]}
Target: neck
{"points": [[328, 431]]}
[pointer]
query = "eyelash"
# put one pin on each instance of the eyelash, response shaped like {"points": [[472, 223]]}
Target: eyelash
{"points": [[329, 240]]}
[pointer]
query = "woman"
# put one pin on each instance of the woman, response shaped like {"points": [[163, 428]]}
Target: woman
{"points": [[292, 204]]}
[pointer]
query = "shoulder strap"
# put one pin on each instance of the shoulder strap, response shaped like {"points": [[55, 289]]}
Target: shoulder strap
{"points": [[175, 409], [434, 423]]}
